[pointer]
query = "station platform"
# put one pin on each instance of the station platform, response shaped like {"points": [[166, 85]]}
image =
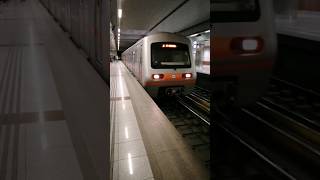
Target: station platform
{"points": [[52, 122], [145, 145]]}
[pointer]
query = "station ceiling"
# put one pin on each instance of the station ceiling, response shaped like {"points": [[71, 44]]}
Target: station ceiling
{"points": [[141, 17]]}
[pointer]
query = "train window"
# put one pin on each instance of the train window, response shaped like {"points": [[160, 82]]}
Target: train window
{"points": [[235, 10], [170, 55]]}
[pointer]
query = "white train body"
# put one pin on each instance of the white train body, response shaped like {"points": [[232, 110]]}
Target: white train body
{"points": [[162, 63]]}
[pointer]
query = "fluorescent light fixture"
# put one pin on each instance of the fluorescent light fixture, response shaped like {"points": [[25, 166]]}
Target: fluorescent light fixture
{"points": [[207, 31], [119, 13], [118, 30], [193, 35]]}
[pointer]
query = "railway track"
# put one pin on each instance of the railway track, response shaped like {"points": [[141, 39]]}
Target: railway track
{"points": [[190, 115], [293, 113], [302, 104], [278, 137], [281, 130]]}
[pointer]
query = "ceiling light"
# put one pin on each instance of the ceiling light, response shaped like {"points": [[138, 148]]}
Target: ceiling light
{"points": [[207, 31], [118, 30], [193, 35], [119, 13]]}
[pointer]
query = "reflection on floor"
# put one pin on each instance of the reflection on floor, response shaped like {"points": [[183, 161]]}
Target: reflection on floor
{"points": [[130, 160]]}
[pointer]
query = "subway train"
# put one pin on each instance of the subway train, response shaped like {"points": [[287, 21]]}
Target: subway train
{"points": [[244, 48], [86, 23], [162, 63]]}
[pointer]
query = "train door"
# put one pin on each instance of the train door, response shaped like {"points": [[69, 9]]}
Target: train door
{"points": [[134, 62], [140, 63], [131, 60]]}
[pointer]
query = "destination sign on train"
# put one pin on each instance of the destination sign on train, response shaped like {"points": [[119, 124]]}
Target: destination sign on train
{"points": [[169, 46]]}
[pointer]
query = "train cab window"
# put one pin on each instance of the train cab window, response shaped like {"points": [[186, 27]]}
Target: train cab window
{"points": [[170, 55], [235, 10]]}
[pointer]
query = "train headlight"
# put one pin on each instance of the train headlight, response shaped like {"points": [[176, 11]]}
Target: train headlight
{"points": [[157, 76], [187, 75], [246, 45], [249, 44]]}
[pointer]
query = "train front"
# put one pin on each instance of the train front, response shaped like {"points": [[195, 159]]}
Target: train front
{"points": [[171, 69], [244, 49]]}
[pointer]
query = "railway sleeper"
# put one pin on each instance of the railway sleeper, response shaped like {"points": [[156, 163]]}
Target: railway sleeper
{"points": [[286, 143], [186, 132], [178, 123]]}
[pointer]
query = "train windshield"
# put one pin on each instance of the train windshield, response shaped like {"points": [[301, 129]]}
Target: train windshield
{"points": [[235, 10], [170, 55]]}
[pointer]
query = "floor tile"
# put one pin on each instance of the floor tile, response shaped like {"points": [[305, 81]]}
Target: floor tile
{"points": [[60, 163], [134, 168], [135, 148], [46, 135], [129, 133]]}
